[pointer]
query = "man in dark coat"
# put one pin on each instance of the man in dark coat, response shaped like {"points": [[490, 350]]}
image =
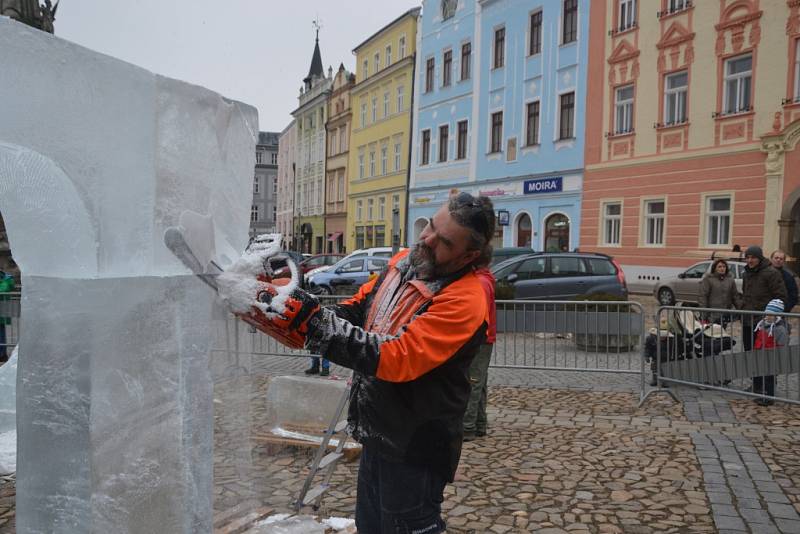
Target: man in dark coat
{"points": [[778, 260], [761, 283]]}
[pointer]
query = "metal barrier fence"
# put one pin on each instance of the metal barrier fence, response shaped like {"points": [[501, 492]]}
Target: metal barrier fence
{"points": [[9, 323], [602, 336], [591, 336], [720, 350]]}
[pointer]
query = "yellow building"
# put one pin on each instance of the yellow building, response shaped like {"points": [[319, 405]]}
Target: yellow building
{"points": [[380, 133]]}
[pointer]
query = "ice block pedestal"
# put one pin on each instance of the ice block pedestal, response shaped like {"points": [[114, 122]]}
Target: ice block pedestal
{"points": [[114, 396]]}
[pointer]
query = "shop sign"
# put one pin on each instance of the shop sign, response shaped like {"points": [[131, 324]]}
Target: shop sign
{"points": [[544, 185]]}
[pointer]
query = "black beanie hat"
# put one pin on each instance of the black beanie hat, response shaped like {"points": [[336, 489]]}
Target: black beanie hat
{"points": [[754, 250]]}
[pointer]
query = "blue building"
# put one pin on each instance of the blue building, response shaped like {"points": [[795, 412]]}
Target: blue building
{"points": [[499, 110]]}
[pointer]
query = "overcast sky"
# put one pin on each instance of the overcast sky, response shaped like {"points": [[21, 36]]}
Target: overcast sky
{"points": [[256, 51]]}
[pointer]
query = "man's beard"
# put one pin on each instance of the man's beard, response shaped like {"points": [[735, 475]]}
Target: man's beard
{"points": [[423, 261]]}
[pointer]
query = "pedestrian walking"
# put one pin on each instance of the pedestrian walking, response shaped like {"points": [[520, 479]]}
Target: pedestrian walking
{"points": [[778, 260], [770, 332], [410, 336], [761, 283], [718, 290], [475, 420]]}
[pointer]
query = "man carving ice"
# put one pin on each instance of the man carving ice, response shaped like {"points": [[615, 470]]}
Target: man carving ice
{"points": [[410, 336]]}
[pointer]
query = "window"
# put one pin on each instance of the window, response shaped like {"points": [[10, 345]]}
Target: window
{"points": [[381, 208], [444, 132], [377, 62], [359, 210], [566, 116], [274, 186], [372, 162], [395, 202], [675, 87], [623, 110], [397, 150], [380, 240], [426, 147], [340, 188], [430, 65], [274, 158], [352, 266], [370, 209], [569, 30], [654, 222], [678, 5], [627, 14], [365, 68], [402, 47], [738, 79], [461, 140], [333, 142], [448, 8], [386, 104], [447, 68], [274, 213], [255, 185], [363, 115], [612, 223], [797, 71], [718, 220], [466, 59], [253, 213], [259, 157], [359, 237], [400, 98], [343, 139], [497, 132], [535, 43], [532, 124], [499, 47], [533, 268], [384, 159], [361, 164], [388, 55], [374, 108], [567, 266]]}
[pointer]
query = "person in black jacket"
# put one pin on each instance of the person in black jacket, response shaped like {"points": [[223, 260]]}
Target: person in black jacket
{"points": [[778, 260], [761, 283]]}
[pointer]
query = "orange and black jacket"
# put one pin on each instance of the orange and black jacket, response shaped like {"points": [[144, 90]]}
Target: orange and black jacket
{"points": [[411, 343]]}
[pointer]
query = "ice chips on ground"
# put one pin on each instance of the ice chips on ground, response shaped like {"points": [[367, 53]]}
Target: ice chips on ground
{"points": [[303, 524], [239, 284]]}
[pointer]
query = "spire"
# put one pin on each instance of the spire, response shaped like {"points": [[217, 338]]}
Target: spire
{"points": [[316, 60]]}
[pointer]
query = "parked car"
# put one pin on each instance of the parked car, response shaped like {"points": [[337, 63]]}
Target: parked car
{"points": [[346, 274], [380, 252], [502, 254], [685, 287], [280, 264], [559, 276], [317, 260]]}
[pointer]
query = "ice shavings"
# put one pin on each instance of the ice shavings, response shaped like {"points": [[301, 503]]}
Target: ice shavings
{"points": [[303, 524], [291, 434], [339, 523], [239, 285]]}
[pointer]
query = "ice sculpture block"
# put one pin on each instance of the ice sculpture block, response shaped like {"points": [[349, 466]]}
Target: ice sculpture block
{"points": [[114, 398], [299, 407]]}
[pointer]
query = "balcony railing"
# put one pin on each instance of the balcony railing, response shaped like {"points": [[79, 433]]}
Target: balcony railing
{"points": [[671, 11]]}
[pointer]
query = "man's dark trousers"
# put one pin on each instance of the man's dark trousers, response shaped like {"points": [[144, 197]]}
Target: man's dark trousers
{"points": [[397, 497]]}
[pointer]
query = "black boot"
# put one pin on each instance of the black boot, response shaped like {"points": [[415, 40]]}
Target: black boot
{"points": [[313, 370]]}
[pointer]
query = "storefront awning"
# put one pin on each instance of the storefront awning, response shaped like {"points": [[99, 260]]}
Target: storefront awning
{"points": [[334, 236]]}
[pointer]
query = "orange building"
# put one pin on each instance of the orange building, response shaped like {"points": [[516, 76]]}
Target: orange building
{"points": [[691, 141]]}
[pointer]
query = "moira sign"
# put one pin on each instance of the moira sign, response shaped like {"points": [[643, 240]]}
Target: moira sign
{"points": [[544, 185]]}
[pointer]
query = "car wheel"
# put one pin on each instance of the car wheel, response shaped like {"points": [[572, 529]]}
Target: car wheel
{"points": [[666, 297], [323, 290]]}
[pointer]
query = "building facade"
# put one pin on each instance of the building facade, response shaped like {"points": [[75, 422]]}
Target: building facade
{"points": [[499, 112], [380, 133], [311, 117], [285, 200], [263, 213], [338, 151], [692, 131]]}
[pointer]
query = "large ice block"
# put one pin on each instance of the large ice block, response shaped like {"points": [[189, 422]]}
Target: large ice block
{"points": [[97, 158]]}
